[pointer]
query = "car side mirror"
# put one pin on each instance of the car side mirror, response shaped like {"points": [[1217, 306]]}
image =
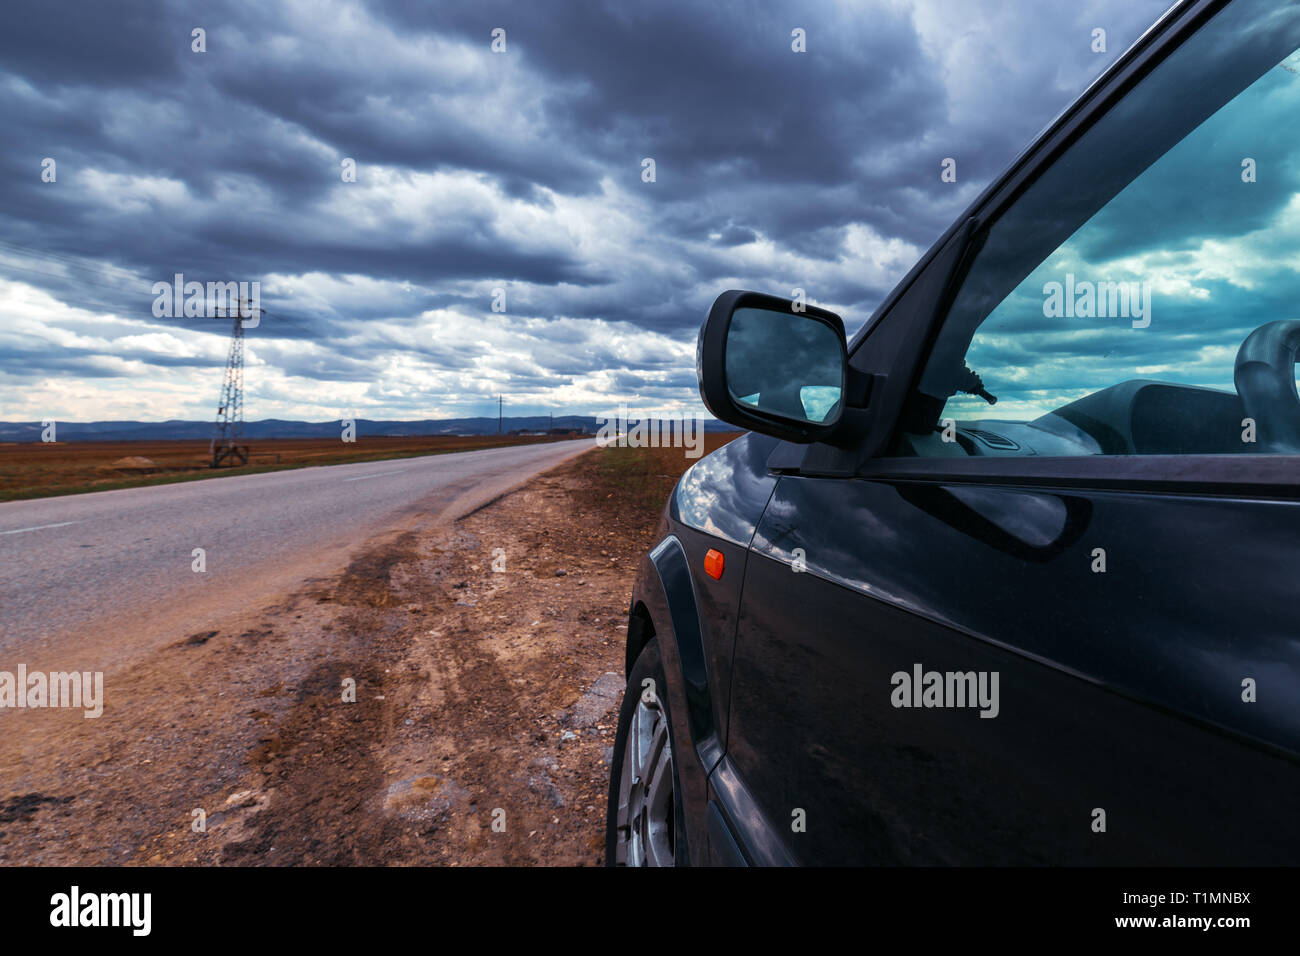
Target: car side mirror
{"points": [[772, 366]]}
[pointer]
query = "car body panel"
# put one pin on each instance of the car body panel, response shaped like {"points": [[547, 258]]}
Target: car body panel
{"points": [[1120, 690], [717, 505], [692, 615]]}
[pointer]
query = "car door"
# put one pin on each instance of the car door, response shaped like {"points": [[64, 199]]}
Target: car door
{"points": [[1065, 634]]}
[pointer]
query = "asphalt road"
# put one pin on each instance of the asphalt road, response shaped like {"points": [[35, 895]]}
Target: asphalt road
{"points": [[114, 569]]}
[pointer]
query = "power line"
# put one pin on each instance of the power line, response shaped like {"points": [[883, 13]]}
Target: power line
{"points": [[75, 262], [80, 303], [75, 279], [68, 259]]}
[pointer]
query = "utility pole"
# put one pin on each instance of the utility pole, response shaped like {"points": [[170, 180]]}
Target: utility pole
{"points": [[227, 447], [500, 399]]}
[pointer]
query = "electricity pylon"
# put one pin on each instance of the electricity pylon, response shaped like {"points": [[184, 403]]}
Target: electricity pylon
{"points": [[227, 445]]}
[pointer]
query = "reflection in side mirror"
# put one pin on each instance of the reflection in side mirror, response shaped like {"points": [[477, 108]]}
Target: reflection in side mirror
{"points": [[764, 365], [785, 363]]}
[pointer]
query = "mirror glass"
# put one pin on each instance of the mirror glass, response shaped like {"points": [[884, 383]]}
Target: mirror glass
{"points": [[785, 363]]}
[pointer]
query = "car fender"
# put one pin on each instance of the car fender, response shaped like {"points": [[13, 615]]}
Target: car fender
{"points": [[665, 607]]}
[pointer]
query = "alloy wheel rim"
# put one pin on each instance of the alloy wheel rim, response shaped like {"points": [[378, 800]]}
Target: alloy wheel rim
{"points": [[646, 805]]}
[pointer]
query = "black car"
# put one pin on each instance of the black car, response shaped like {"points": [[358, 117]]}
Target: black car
{"points": [[1012, 577]]}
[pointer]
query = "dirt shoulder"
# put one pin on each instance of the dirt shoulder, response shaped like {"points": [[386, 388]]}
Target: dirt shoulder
{"points": [[484, 711]]}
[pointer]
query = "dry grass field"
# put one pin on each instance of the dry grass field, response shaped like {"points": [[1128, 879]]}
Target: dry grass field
{"points": [[39, 469]]}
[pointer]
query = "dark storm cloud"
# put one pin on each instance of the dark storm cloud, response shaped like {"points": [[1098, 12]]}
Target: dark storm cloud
{"points": [[96, 44], [226, 164]]}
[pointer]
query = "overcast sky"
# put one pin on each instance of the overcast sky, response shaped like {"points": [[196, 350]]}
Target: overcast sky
{"points": [[475, 171]]}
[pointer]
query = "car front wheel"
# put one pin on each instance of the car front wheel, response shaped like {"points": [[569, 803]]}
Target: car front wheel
{"points": [[644, 818]]}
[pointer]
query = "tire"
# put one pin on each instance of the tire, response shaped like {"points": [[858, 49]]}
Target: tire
{"points": [[645, 820]]}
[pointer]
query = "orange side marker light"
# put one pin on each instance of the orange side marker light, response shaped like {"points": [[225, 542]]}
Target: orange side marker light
{"points": [[713, 563]]}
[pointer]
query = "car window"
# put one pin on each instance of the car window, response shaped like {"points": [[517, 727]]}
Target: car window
{"points": [[1106, 311]]}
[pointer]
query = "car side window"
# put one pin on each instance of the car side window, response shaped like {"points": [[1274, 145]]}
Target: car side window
{"points": [[1142, 296]]}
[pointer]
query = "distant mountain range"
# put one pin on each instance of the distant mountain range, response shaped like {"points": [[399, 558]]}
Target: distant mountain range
{"points": [[278, 428]]}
